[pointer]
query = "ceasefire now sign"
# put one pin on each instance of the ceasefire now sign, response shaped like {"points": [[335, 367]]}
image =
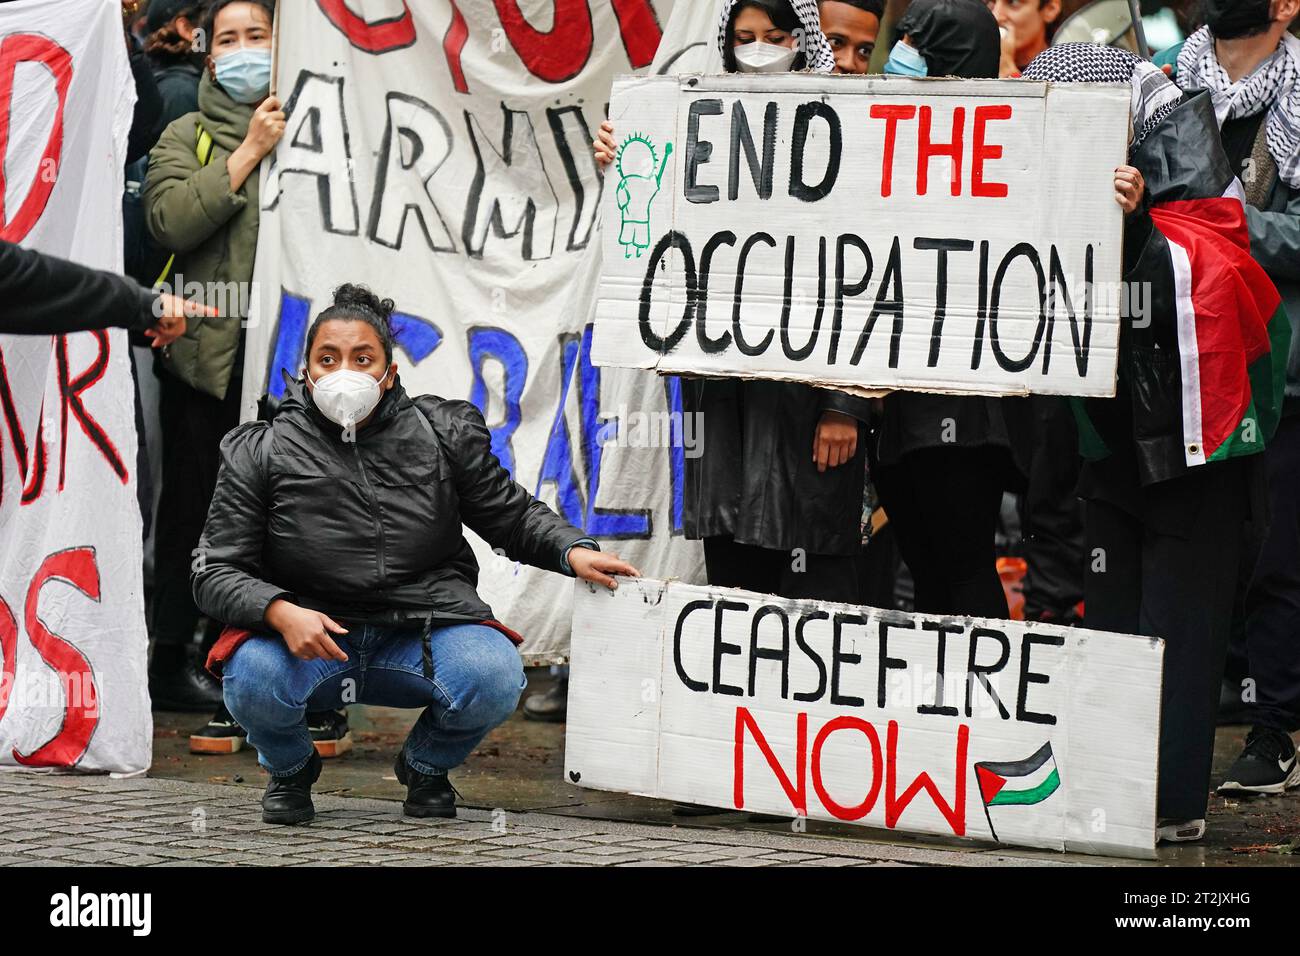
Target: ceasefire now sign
{"points": [[1003, 731], [937, 235]]}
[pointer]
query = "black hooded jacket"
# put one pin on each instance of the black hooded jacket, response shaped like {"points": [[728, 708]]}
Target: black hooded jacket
{"points": [[366, 531], [756, 480], [956, 37]]}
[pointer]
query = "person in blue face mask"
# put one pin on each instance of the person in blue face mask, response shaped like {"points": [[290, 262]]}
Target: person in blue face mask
{"points": [[946, 38], [200, 204], [942, 462]]}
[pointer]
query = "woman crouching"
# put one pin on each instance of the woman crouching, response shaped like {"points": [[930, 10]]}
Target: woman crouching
{"points": [[334, 553]]}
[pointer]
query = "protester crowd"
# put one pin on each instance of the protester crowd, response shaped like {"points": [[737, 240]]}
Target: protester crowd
{"points": [[1120, 532], [1124, 527]]}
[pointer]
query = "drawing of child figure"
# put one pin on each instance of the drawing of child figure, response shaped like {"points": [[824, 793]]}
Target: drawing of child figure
{"points": [[640, 177]]}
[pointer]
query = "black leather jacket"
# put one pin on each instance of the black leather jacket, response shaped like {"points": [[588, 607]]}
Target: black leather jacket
{"points": [[1180, 159], [366, 531], [756, 480]]}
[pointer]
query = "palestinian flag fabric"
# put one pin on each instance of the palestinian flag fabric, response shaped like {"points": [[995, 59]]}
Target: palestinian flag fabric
{"points": [[1017, 783], [1228, 316]]}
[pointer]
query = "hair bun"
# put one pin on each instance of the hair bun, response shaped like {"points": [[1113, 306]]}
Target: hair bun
{"points": [[351, 296]]}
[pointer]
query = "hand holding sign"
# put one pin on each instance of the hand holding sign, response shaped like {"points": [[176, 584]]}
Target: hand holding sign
{"points": [[604, 145], [264, 132], [1129, 188]]}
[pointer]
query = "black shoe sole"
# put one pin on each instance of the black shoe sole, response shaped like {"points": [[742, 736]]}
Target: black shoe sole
{"points": [[447, 813], [555, 718], [289, 817]]}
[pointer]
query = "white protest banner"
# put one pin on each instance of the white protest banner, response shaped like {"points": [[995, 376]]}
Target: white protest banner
{"points": [[937, 235], [1024, 734], [440, 153], [73, 692]]}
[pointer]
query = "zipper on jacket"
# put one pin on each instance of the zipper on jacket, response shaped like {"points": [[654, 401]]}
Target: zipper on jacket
{"points": [[374, 504]]}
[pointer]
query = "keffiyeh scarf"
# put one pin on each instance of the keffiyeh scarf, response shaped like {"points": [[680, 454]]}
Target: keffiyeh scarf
{"points": [[812, 42], [1272, 87], [1154, 96]]}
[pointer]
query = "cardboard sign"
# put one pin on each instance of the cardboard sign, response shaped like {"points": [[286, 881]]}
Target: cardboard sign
{"points": [[1001, 731], [936, 235]]}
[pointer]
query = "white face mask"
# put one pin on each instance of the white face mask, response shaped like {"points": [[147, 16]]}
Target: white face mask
{"points": [[761, 57], [346, 397]]}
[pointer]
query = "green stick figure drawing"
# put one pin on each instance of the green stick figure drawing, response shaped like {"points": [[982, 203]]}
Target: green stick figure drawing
{"points": [[640, 178]]}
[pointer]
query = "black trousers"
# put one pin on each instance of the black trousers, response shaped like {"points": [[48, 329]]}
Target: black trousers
{"points": [[943, 506], [1272, 599], [878, 570], [193, 424], [1051, 513], [816, 577], [1144, 578]]}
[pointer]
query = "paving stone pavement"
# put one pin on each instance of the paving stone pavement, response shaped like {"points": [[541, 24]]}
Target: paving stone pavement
{"points": [[51, 819]]}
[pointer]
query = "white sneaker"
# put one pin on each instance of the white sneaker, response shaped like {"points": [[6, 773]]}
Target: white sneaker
{"points": [[1179, 831]]}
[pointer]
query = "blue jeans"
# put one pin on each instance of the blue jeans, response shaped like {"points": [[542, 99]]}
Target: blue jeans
{"points": [[477, 679]]}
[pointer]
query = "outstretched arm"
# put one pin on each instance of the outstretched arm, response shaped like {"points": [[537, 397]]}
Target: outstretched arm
{"points": [[504, 514]]}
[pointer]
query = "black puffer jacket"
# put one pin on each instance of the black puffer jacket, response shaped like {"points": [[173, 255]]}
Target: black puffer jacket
{"points": [[756, 480], [367, 531]]}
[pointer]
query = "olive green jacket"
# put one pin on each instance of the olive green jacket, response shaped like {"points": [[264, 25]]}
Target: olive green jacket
{"points": [[191, 211]]}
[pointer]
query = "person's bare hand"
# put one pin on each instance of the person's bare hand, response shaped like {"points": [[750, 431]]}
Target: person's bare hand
{"points": [[597, 566], [836, 440], [265, 128], [171, 312], [1129, 188], [306, 632], [604, 144]]}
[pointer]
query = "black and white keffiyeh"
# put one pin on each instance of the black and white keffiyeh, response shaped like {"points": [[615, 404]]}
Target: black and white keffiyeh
{"points": [[1272, 86], [1155, 96], [812, 42]]}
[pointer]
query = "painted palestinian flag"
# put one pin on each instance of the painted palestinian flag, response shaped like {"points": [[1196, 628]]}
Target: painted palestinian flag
{"points": [[1019, 782]]}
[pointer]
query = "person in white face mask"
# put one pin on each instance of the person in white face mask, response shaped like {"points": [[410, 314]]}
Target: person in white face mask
{"points": [[757, 36], [334, 553]]}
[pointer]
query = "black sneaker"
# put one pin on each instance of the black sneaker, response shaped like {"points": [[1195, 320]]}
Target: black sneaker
{"points": [[329, 732], [288, 799], [1267, 764], [427, 795], [220, 735], [186, 688], [551, 706]]}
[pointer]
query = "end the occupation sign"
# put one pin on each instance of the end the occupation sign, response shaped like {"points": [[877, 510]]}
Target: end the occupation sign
{"points": [[936, 235]]}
